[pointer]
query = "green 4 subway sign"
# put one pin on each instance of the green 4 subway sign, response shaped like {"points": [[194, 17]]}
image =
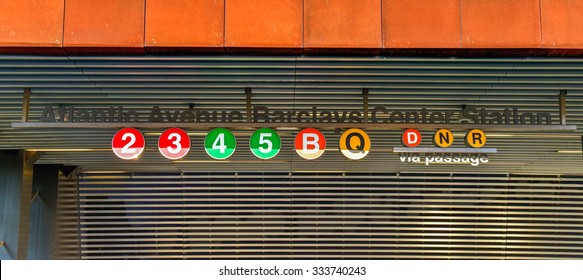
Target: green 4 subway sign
{"points": [[220, 143]]}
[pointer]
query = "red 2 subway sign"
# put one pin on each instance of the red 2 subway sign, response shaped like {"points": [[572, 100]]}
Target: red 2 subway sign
{"points": [[128, 143], [174, 143]]}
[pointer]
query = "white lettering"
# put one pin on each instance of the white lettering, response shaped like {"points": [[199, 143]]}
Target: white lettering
{"points": [[310, 139], [412, 137]]}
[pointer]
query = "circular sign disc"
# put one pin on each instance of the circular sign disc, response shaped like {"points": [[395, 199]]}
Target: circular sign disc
{"points": [[174, 143], [310, 143], [411, 138], [265, 143], [443, 138], [220, 143], [476, 138], [354, 144], [128, 143]]}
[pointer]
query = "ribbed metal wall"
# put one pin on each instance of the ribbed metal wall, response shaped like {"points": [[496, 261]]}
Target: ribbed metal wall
{"points": [[67, 242], [329, 215], [294, 83]]}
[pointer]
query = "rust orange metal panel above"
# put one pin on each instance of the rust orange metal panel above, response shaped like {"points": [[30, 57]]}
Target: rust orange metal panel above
{"points": [[185, 23], [562, 23], [104, 23], [501, 24], [31, 23], [263, 23], [421, 24], [342, 24]]}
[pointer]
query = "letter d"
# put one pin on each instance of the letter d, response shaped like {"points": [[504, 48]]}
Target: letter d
{"points": [[412, 137]]}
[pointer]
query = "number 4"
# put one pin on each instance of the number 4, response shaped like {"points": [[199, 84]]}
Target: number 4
{"points": [[220, 143]]}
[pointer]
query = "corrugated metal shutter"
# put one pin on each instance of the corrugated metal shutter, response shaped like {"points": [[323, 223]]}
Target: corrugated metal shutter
{"points": [[67, 242], [284, 215], [293, 83]]}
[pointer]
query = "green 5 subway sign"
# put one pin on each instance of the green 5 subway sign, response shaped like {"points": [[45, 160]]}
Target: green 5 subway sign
{"points": [[265, 143]]}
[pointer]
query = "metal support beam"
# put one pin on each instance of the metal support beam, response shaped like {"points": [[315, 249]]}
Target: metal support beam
{"points": [[15, 195], [43, 212], [248, 93], [563, 107], [25, 104], [70, 172], [32, 157], [365, 104]]}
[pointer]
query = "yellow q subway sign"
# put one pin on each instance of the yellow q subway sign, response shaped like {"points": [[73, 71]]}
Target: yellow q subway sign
{"points": [[354, 144]]}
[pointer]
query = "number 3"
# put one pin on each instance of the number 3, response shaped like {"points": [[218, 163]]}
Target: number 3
{"points": [[176, 143]]}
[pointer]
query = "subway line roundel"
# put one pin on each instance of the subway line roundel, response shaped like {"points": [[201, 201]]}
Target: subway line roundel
{"points": [[174, 143], [310, 143], [265, 143], [354, 144], [476, 138], [128, 143], [220, 143]]}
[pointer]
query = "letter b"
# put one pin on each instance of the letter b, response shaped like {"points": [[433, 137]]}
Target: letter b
{"points": [[310, 140]]}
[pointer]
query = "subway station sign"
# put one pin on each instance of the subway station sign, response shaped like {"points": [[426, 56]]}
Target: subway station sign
{"points": [[309, 143], [263, 114]]}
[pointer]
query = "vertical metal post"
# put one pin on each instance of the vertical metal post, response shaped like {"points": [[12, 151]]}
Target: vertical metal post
{"points": [[25, 104], [43, 212], [248, 93], [563, 107], [365, 104], [15, 195]]}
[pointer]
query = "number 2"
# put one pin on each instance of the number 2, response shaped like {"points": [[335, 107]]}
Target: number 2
{"points": [[126, 149]]}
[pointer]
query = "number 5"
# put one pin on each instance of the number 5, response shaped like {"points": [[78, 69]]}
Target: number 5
{"points": [[262, 141]]}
